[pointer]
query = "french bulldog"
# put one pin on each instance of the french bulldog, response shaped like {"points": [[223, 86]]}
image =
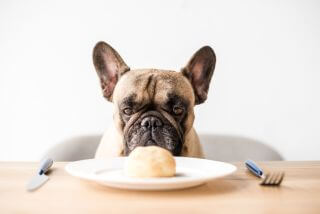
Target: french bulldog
{"points": [[152, 106]]}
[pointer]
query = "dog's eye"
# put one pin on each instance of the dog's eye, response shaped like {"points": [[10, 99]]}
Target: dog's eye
{"points": [[177, 110], [128, 111]]}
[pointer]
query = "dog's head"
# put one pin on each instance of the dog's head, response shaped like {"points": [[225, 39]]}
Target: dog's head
{"points": [[152, 106]]}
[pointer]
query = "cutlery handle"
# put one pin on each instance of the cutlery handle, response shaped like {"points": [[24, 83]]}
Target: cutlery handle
{"points": [[45, 165], [254, 168]]}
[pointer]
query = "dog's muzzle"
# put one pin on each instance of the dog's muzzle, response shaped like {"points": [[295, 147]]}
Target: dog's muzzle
{"points": [[151, 128]]}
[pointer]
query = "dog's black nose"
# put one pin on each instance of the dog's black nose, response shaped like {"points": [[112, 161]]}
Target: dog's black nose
{"points": [[151, 122], [150, 143]]}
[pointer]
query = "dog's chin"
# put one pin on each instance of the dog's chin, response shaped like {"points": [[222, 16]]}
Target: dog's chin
{"points": [[166, 137]]}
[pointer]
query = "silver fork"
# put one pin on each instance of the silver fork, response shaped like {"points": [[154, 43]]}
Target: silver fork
{"points": [[269, 179]]}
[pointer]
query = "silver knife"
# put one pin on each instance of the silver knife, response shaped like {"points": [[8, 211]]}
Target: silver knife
{"points": [[40, 178]]}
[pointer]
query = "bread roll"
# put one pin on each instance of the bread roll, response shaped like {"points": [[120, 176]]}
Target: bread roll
{"points": [[150, 161]]}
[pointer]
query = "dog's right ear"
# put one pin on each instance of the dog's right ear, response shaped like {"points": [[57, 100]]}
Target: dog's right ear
{"points": [[199, 72], [109, 66]]}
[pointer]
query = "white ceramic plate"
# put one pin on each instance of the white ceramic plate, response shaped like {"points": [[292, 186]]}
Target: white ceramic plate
{"points": [[189, 172]]}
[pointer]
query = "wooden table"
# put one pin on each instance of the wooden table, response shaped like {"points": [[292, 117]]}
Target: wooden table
{"points": [[237, 193]]}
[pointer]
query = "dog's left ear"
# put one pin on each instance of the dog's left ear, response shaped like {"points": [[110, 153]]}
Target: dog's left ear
{"points": [[109, 66], [199, 71]]}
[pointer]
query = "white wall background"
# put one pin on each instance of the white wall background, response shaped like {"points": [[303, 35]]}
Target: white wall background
{"points": [[266, 85]]}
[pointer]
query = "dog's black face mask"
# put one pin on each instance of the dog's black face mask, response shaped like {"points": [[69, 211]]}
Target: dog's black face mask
{"points": [[153, 129], [149, 126]]}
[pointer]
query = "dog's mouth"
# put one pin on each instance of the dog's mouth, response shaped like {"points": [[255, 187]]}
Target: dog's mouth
{"points": [[151, 128]]}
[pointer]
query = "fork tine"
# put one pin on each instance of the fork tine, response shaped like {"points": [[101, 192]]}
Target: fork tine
{"points": [[268, 182], [276, 182], [275, 179], [264, 181], [271, 178]]}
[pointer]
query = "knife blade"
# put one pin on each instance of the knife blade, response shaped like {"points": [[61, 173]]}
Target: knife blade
{"points": [[39, 179]]}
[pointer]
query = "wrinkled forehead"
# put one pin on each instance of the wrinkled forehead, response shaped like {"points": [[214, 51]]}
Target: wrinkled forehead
{"points": [[151, 85]]}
